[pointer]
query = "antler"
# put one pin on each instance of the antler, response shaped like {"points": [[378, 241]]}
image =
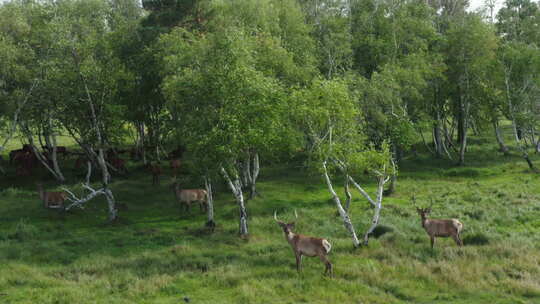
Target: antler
{"points": [[414, 201], [275, 216], [295, 214]]}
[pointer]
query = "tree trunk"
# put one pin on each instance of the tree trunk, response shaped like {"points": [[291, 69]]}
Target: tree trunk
{"points": [[88, 172], [517, 133], [211, 224], [342, 212], [50, 140], [377, 212], [502, 146], [254, 175], [347, 193], [57, 174], [236, 189], [142, 150], [463, 127], [437, 138]]}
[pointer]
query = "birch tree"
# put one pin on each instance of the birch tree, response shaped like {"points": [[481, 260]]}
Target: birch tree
{"points": [[229, 107], [329, 117]]}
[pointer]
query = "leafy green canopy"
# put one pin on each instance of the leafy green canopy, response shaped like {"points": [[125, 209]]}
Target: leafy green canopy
{"points": [[227, 105]]}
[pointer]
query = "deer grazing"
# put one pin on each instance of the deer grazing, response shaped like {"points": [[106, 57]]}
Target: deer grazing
{"points": [[187, 196], [53, 200], [306, 245], [439, 227]]}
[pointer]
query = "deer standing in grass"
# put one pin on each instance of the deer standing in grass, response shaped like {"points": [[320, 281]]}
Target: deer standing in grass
{"points": [[188, 196], [156, 172], [306, 245], [175, 165], [439, 227], [51, 199]]}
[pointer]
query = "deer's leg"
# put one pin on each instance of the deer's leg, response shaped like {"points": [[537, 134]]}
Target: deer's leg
{"points": [[327, 264], [458, 240], [432, 241], [298, 261]]}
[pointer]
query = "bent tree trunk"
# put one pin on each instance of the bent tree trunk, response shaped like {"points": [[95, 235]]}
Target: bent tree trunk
{"points": [[342, 212], [502, 146], [54, 170], [210, 223], [378, 207], [236, 188]]}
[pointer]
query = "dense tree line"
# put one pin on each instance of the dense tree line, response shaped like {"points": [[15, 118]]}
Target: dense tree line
{"points": [[350, 85]]}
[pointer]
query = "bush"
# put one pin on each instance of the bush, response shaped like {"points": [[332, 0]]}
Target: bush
{"points": [[476, 239], [381, 230], [23, 231], [462, 172]]}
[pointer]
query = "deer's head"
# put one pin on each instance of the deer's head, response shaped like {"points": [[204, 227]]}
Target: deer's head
{"points": [[287, 227]]}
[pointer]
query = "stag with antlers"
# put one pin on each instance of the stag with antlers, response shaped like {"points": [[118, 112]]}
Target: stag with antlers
{"points": [[439, 227], [306, 245]]}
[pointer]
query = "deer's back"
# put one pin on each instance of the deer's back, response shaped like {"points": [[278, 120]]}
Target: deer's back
{"points": [[443, 228], [311, 246], [190, 195]]}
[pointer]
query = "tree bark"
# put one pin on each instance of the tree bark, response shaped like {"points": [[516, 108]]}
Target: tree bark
{"points": [[210, 204], [254, 175], [463, 127], [236, 189], [437, 138], [378, 207], [517, 135], [342, 212], [502, 146], [347, 193]]}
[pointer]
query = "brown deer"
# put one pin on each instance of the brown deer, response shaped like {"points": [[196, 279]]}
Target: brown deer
{"points": [[51, 199], [156, 172], [440, 227], [306, 245], [119, 164], [175, 165], [187, 196]]}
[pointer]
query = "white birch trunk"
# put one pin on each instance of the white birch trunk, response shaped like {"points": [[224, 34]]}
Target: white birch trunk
{"points": [[254, 175], [342, 212], [88, 172], [378, 207], [347, 193], [210, 204], [236, 189]]}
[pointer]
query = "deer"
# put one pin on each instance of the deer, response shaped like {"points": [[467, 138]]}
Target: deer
{"points": [[175, 165], [53, 200], [439, 227], [156, 172], [306, 245], [187, 196], [119, 164]]}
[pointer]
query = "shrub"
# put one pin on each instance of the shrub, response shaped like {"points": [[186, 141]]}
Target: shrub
{"points": [[24, 231], [476, 239], [381, 230]]}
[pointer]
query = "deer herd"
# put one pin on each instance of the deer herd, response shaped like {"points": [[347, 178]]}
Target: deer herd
{"points": [[25, 160]]}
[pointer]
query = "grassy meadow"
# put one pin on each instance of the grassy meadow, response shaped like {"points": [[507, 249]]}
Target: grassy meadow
{"points": [[157, 254]]}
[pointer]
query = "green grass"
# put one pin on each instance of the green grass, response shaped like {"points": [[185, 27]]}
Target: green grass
{"points": [[156, 254]]}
